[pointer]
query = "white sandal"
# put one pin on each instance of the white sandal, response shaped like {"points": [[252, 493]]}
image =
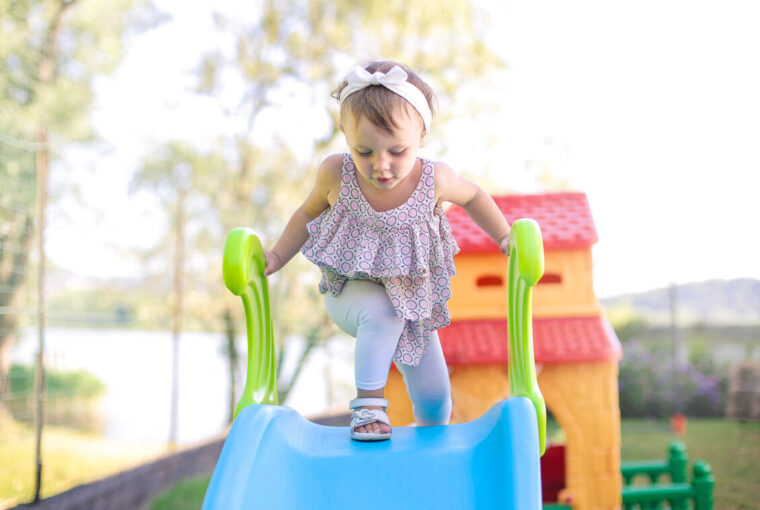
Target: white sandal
{"points": [[364, 416]]}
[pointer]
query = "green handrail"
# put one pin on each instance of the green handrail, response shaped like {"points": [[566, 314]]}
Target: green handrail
{"points": [[243, 270], [526, 266]]}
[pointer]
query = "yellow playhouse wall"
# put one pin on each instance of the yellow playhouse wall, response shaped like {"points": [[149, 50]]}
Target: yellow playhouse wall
{"points": [[582, 397], [573, 296]]}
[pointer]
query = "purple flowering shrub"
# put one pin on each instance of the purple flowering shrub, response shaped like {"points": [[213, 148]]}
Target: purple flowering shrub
{"points": [[647, 385]]}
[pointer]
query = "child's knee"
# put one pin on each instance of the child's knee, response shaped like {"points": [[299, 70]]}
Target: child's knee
{"points": [[384, 325], [433, 411], [433, 407]]}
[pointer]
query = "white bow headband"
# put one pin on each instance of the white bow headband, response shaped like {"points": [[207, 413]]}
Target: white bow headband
{"points": [[395, 81]]}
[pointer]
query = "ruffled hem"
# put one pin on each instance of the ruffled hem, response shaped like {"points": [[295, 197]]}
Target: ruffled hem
{"points": [[423, 312], [414, 341], [338, 241]]}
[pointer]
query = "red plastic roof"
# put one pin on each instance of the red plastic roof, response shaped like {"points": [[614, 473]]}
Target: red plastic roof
{"points": [[565, 220], [563, 340]]}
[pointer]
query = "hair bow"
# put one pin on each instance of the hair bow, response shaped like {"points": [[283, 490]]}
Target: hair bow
{"points": [[395, 81], [359, 77]]}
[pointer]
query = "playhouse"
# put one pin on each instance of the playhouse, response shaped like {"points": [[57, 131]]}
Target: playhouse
{"points": [[576, 351]]}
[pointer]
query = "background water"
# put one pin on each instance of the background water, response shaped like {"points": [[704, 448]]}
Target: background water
{"points": [[136, 368]]}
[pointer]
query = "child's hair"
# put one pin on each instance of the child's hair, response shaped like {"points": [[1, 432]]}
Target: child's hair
{"points": [[377, 103]]}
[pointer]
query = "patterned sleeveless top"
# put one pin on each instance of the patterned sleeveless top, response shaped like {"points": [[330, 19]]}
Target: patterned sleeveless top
{"points": [[409, 250]]}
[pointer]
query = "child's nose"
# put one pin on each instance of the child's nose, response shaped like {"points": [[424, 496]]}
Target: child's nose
{"points": [[382, 162]]}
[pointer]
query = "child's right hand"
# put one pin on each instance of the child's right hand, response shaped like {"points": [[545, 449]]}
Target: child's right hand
{"points": [[273, 262]]}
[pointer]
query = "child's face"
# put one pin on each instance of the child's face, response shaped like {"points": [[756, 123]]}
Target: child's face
{"points": [[384, 159]]}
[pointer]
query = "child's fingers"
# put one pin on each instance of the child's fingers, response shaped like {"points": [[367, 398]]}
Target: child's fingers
{"points": [[272, 261], [504, 245]]}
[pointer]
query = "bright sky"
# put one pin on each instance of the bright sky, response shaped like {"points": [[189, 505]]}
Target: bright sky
{"points": [[650, 107]]}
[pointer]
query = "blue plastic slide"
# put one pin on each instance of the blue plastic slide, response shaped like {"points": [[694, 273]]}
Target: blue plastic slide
{"points": [[274, 458]]}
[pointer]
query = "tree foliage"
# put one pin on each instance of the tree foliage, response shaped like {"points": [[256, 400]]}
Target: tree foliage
{"points": [[51, 51]]}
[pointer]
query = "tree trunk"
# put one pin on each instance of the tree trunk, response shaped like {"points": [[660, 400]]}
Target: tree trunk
{"points": [[179, 263], [232, 358]]}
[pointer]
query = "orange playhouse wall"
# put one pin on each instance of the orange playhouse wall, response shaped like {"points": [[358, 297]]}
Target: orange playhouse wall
{"points": [[582, 397], [572, 296]]}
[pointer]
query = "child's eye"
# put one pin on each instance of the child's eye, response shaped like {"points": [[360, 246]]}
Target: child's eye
{"points": [[397, 153], [364, 153]]}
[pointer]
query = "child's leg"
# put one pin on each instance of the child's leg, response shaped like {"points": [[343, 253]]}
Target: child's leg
{"points": [[429, 386], [363, 310]]}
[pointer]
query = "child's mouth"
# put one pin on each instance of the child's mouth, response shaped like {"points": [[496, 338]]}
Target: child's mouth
{"points": [[384, 180]]}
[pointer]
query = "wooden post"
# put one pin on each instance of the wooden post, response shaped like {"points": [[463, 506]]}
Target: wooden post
{"points": [[676, 338], [39, 370]]}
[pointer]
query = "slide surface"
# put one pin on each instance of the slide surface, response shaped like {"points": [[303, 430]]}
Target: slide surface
{"points": [[276, 459]]}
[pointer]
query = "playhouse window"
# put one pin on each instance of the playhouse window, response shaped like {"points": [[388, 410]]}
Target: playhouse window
{"points": [[490, 280], [550, 278]]}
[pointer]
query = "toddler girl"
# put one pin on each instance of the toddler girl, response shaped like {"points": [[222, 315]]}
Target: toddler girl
{"points": [[374, 225]]}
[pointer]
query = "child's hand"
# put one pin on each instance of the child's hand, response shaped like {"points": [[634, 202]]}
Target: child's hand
{"points": [[504, 245], [273, 262]]}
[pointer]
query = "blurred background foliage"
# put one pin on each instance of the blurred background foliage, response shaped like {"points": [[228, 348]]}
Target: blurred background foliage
{"points": [[53, 51]]}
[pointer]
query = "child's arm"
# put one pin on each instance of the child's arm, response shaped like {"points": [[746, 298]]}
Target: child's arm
{"points": [[475, 201], [295, 234]]}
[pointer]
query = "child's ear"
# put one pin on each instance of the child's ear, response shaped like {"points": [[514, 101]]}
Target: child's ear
{"points": [[423, 138], [340, 126]]}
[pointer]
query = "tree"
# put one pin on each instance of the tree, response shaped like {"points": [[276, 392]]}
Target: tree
{"points": [[175, 173], [50, 53], [302, 48]]}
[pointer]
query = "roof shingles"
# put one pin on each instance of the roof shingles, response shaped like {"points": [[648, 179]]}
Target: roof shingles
{"points": [[565, 220]]}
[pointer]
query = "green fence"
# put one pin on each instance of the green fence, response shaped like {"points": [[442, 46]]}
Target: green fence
{"points": [[679, 494]]}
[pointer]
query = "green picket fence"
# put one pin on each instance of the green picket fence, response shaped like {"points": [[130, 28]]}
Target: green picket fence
{"points": [[679, 494]]}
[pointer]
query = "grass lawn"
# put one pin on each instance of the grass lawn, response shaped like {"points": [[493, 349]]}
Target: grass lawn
{"points": [[731, 448], [187, 494], [70, 458]]}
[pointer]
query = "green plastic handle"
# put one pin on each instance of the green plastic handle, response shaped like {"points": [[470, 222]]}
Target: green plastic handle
{"points": [[526, 266], [243, 269]]}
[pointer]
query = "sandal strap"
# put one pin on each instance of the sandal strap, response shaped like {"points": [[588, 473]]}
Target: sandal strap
{"points": [[367, 416], [368, 401]]}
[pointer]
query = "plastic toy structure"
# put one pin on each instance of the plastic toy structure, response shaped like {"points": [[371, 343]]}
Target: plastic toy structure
{"points": [[680, 494], [275, 458], [575, 350]]}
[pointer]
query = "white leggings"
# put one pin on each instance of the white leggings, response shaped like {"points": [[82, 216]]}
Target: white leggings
{"points": [[363, 310]]}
